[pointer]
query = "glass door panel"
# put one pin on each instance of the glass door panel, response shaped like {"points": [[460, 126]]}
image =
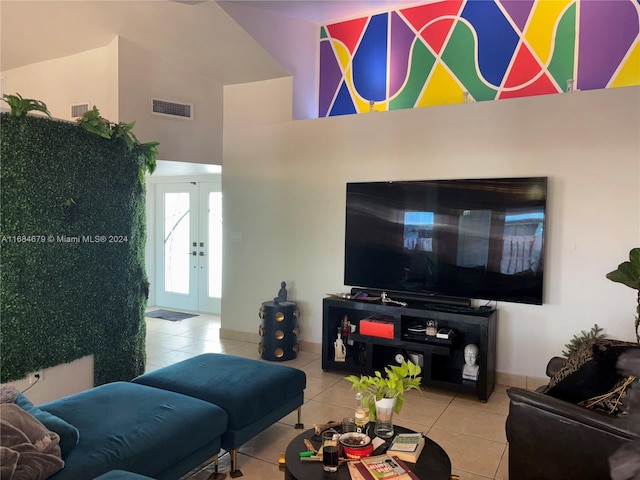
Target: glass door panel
{"points": [[176, 242], [176, 228], [210, 248]]}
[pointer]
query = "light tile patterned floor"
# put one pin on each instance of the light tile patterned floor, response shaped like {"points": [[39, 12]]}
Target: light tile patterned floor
{"points": [[472, 433]]}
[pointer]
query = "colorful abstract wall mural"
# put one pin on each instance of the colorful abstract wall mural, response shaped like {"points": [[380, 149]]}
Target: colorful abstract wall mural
{"points": [[453, 51]]}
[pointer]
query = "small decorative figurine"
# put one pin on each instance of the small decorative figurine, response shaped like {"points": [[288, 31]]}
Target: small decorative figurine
{"points": [[345, 328], [282, 294], [432, 328], [340, 349]]}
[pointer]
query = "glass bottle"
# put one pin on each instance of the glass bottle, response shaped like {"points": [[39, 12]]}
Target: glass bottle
{"points": [[362, 414]]}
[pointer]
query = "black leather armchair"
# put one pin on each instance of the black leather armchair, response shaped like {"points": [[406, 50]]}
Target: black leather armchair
{"points": [[552, 439]]}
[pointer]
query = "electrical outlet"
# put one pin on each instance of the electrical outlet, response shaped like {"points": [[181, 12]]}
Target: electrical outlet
{"points": [[35, 377]]}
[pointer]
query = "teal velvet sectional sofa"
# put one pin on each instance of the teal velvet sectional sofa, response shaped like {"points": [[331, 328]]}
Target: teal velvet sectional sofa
{"points": [[168, 422]]}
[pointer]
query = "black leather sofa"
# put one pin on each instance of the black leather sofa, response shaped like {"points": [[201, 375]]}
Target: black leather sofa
{"points": [[552, 439]]}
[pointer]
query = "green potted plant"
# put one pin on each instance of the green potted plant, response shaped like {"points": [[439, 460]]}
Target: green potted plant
{"points": [[383, 395], [629, 274]]}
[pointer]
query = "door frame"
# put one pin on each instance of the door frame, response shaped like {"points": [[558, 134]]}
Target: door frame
{"points": [[151, 246]]}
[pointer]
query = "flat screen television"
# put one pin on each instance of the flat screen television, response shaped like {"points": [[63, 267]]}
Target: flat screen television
{"points": [[463, 239]]}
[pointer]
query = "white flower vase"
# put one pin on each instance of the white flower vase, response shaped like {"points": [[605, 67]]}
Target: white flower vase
{"points": [[384, 417]]}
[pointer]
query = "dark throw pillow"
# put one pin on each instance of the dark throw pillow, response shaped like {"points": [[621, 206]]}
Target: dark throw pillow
{"points": [[590, 377], [69, 435]]}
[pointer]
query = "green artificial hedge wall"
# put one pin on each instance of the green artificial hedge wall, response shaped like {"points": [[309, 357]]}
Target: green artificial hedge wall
{"points": [[72, 231]]}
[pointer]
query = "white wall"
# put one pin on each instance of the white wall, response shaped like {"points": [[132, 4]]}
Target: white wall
{"points": [[90, 76], [59, 381], [284, 200], [143, 76], [289, 40]]}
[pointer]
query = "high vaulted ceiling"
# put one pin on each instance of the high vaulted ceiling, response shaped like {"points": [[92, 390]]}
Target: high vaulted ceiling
{"points": [[198, 35]]}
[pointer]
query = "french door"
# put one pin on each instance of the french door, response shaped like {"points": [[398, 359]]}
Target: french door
{"points": [[189, 246]]}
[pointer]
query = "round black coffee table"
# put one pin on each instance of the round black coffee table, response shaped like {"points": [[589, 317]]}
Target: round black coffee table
{"points": [[433, 464]]}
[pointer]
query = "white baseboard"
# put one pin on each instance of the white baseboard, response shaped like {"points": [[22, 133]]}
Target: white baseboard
{"points": [[239, 335]]}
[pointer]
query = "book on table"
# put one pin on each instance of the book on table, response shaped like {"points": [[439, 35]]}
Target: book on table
{"points": [[380, 467], [407, 446]]}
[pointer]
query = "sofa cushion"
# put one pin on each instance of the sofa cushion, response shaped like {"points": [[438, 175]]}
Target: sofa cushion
{"points": [[69, 434], [121, 475], [246, 389], [145, 430], [590, 377]]}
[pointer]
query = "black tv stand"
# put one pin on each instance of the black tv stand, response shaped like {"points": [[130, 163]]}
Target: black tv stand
{"points": [[443, 360]]}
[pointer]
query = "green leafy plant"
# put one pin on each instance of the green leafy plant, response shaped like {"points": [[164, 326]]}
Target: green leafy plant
{"points": [[21, 106], [628, 273], [149, 152], [90, 189], [577, 340], [398, 379], [92, 122]]}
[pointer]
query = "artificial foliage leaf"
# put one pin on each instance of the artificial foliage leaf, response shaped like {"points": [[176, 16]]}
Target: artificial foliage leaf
{"points": [[19, 106]]}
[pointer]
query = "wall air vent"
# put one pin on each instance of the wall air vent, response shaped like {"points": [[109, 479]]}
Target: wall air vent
{"points": [[79, 109], [171, 109]]}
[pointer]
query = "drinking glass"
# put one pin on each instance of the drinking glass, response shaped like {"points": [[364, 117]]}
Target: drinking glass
{"points": [[330, 451]]}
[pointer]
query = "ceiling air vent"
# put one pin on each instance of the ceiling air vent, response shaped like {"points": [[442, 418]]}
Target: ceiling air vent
{"points": [[79, 109], [172, 109]]}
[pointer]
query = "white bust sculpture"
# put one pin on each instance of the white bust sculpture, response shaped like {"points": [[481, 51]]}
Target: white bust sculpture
{"points": [[471, 368]]}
